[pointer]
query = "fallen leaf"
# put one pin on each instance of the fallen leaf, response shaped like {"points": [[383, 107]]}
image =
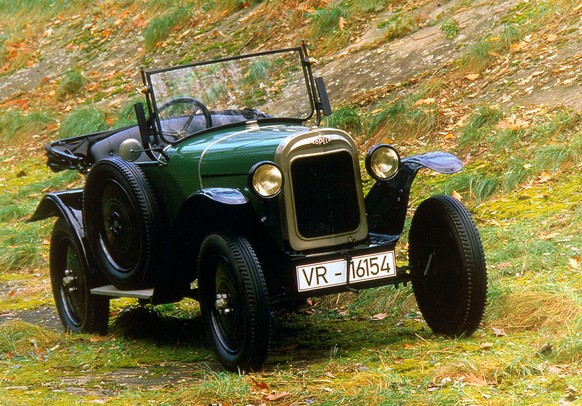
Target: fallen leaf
{"points": [[456, 195], [520, 46], [342, 23], [499, 332], [277, 396], [472, 76], [379, 316], [544, 177], [260, 384], [574, 262], [512, 124], [486, 346], [424, 102]]}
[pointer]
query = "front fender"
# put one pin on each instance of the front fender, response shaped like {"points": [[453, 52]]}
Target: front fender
{"points": [[207, 207], [387, 202], [229, 197], [441, 162]]}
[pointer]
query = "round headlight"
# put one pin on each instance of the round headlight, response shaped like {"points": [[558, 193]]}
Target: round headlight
{"points": [[382, 162], [266, 179]]}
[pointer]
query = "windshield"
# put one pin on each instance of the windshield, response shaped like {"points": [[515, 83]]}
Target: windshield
{"points": [[191, 98]]}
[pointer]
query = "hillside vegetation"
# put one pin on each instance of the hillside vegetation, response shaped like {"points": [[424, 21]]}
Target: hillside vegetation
{"points": [[498, 83]]}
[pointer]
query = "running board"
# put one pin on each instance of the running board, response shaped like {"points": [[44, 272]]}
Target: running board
{"points": [[112, 291]]}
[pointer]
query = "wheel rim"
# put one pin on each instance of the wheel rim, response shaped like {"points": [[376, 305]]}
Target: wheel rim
{"points": [[227, 310], [120, 234], [72, 284]]}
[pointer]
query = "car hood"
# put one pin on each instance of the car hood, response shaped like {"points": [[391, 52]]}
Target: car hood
{"points": [[235, 153]]}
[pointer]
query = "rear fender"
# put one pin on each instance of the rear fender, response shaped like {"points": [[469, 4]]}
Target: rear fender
{"points": [[67, 204], [387, 202]]}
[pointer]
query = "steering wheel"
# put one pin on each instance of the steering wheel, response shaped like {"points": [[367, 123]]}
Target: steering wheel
{"points": [[188, 100]]}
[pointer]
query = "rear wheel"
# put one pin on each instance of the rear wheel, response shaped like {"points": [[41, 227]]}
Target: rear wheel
{"points": [[448, 267], [71, 280], [234, 301]]}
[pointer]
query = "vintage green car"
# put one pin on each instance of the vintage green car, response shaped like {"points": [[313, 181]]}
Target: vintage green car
{"points": [[227, 190]]}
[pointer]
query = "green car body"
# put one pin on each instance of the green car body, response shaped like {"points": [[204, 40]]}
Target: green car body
{"points": [[231, 183]]}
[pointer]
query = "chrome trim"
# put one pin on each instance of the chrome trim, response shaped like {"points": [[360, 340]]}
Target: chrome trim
{"points": [[316, 141]]}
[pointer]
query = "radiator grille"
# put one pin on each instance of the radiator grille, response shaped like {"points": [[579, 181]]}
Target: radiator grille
{"points": [[326, 198]]}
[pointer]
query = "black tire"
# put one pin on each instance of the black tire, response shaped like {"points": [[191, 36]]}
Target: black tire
{"points": [[71, 280], [234, 302], [120, 213], [448, 267]]}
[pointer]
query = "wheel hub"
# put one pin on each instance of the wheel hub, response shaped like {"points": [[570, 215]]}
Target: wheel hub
{"points": [[115, 224], [69, 281], [222, 303]]}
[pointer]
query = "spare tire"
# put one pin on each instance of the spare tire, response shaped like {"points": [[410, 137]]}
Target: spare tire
{"points": [[120, 214]]}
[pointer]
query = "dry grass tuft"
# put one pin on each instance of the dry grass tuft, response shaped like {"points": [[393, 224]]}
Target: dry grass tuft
{"points": [[533, 309]]}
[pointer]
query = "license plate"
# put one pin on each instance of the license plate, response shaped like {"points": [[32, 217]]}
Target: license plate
{"points": [[341, 272]]}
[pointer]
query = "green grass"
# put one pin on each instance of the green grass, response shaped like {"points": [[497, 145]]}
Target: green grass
{"points": [[348, 119], [17, 126], [450, 28], [403, 121], [72, 84], [329, 27], [83, 120], [369, 6], [400, 24], [23, 246], [160, 27], [479, 125], [38, 7]]}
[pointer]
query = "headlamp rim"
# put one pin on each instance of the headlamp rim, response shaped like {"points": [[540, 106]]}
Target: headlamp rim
{"points": [[251, 176], [368, 161]]}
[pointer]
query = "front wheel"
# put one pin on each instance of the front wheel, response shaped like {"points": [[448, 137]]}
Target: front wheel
{"points": [[448, 267], [234, 301], [71, 280]]}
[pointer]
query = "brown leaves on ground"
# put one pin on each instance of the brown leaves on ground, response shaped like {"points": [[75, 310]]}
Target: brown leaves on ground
{"points": [[266, 394]]}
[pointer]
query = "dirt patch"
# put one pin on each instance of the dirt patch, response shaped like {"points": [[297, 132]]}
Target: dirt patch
{"points": [[46, 317], [146, 377]]}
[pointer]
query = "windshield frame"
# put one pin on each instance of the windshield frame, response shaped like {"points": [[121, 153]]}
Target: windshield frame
{"points": [[155, 116]]}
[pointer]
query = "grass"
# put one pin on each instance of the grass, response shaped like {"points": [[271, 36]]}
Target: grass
{"points": [[490, 48], [403, 120], [39, 7], [23, 23], [398, 25], [17, 126], [329, 27], [72, 84], [160, 27], [450, 28], [83, 120], [348, 119]]}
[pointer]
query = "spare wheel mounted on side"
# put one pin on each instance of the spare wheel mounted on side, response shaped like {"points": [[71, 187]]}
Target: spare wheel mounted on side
{"points": [[120, 213]]}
